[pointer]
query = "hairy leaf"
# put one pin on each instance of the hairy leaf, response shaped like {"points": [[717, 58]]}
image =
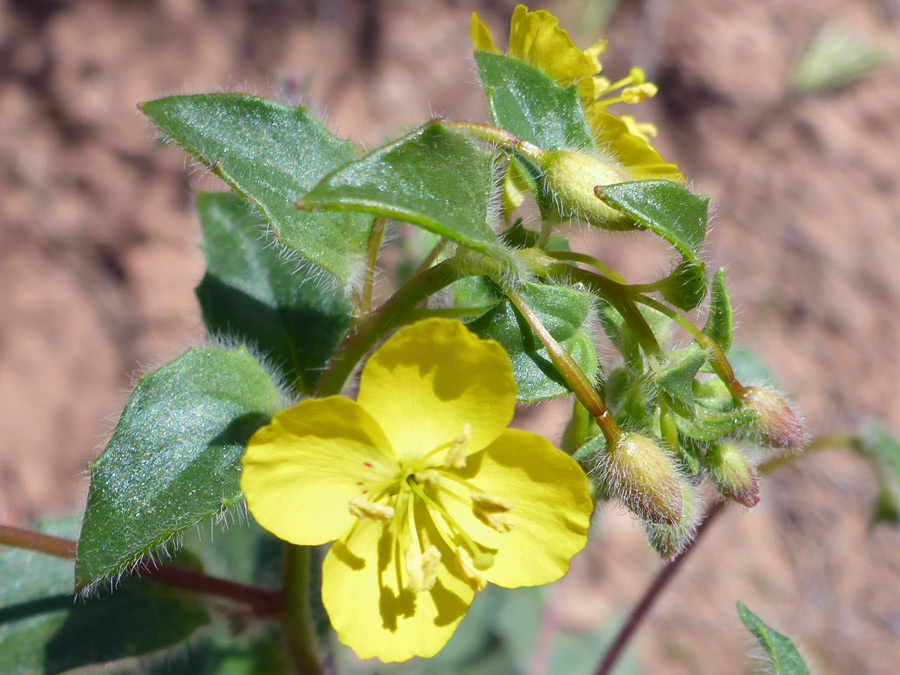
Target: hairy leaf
{"points": [[272, 154], [174, 458], [782, 653], [252, 293]]}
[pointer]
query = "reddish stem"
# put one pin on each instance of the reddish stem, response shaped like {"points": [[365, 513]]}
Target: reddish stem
{"points": [[264, 602], [653, 592]]}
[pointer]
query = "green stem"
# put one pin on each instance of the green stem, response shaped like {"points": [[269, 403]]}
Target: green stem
{"points": [[297, 620], [365, 297], [717, 357], [397, 311], [573, 256], [263, 602], [570, 372], [501, 137]]}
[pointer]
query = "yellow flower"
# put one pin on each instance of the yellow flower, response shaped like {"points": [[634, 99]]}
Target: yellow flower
{"points": [[536, 39], [427, 493]]}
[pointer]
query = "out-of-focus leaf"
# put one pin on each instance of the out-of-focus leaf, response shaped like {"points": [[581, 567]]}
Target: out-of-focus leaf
{"points": [[174, 458], [781, 652], [45, 629], [835, 57], [252, 293], [882, 449], [272, 154]]}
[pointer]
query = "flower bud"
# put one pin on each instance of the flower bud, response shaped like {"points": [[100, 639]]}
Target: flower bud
{"points": [[778, 425], [570, 177], [643, 476], [732, 474], [686, 286], [670, 540]]}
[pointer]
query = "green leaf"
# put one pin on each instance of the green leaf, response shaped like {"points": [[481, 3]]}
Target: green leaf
{"points": [[668, 209], [564, 312], [253, 293], [529, 104], [174, 458], [677, 381], [882, 450], [720, 322], [45, 629], [478, 294], [433, 178], [782, 653], [272, 154]]}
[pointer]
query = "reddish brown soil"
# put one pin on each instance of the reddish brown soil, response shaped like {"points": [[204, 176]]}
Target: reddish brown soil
{"points": [[99, 258]]}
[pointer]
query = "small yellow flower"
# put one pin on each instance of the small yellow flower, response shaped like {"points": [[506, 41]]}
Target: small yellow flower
{"points": [[428, 494], [536, 39]]}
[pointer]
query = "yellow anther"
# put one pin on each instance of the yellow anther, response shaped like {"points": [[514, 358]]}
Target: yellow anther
{"points": [[501, 522], [467, 567], [601, 85], [428, 477], [594, 52], [490, 503], [456, 454], [363, 508], [641, 92], [643, 130], [422, 567]]}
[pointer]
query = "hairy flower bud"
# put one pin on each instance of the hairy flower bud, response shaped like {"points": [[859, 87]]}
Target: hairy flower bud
{"points": [[670, 540], [643, 476], [570, 177], [732, 474], [778, 425]]}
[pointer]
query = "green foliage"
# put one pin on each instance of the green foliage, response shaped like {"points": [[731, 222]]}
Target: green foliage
{"points": [[882, 449], [174, 458], [44, 628], [781, 652], [253, 293], [433, 178], [564, 312], [273, 155]]}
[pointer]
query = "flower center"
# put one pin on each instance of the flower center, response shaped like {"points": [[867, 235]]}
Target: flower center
{"points": [[412, 505]]}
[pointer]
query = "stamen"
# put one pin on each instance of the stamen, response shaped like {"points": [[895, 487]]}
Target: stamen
{"points": [[466, 565], [641, 92], [456, 454], [428, 477], [448, 520], [422, 567], [362, 508], [493, 511]]}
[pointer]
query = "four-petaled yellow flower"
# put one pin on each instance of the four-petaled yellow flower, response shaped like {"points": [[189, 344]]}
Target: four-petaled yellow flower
{"points": [[535, 38], [428, 494]]}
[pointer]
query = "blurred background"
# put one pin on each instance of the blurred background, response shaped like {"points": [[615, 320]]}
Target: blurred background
{"points": [[99, 255]]}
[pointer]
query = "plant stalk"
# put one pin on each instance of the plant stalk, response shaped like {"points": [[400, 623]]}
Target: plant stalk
{"points": [[264, 602], [297, 620]]}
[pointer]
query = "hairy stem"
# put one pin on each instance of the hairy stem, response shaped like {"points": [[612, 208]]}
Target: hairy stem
{"points": [[264, 602], [662, 579], [570, 372], [297, 620], [365, 296]]}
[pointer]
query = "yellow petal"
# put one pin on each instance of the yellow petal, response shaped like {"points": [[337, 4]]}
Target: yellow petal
{"points": [[634, 152], [481, 35], [374, 613], [429, 380], [537, 39], [551, 508], [302, 469]]}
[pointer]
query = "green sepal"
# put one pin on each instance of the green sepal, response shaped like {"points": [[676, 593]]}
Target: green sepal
{"points": [[781, 652], [477, 294], [686, 286], [672, 212], [433, 178], [564, 312], [273, 155], [44, 628], [174, 458], [881, 449], [720, 322], [709, 425], [253, 293], [677, 381]]}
